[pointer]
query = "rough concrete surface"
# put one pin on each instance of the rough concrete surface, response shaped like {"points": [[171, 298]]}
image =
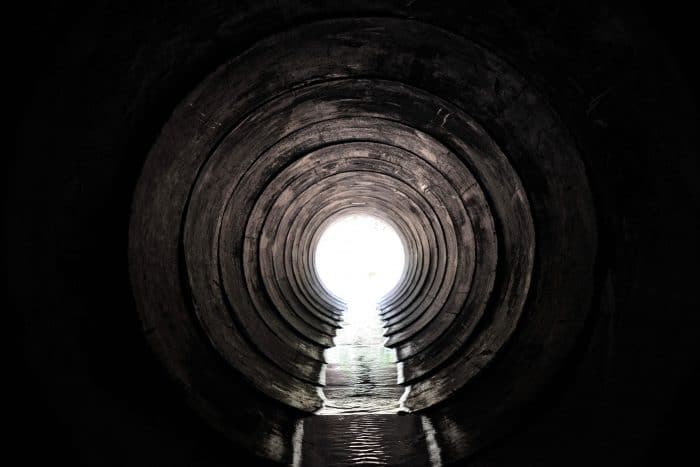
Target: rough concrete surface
{"points": [[176, 164]]}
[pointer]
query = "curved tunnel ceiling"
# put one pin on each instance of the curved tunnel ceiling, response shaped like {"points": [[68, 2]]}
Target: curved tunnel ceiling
{"points": [[423, 128], [536, 162]]}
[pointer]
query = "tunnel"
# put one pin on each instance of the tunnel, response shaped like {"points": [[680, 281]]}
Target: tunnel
{"points": [[177, 166]]}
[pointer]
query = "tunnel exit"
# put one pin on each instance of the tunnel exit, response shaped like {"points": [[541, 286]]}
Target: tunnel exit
{"points": [[360, 259]]}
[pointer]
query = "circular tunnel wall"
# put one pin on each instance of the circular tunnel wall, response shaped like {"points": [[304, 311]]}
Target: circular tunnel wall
{"points": [[453, 147], [537, 163]]}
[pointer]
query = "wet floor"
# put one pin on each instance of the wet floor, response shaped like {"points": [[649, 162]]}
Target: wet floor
{"points": [[359, 424], [361, 373], [369, 439]]}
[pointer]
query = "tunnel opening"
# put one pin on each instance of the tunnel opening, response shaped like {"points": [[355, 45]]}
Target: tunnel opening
{"points": [[360, 259]]}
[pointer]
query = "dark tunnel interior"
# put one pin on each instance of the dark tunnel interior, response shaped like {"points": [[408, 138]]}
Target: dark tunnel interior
{"points": [[176, 166]]}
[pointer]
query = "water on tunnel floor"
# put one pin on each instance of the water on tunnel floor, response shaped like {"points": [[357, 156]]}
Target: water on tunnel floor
{"points": [[361, 373], [359, 424]]}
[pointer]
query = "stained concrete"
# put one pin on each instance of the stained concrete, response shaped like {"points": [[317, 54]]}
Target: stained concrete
{"points": [[581, 104]]}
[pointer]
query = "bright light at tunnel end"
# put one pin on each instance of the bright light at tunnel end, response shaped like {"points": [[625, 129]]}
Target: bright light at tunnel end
{"points": [[359, 258]]}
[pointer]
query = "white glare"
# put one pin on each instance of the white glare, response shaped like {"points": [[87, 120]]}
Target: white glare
{"points": [[359, 258]]}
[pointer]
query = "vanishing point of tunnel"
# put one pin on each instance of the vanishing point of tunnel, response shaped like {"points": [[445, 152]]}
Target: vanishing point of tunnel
{"points": [[508, 160]]}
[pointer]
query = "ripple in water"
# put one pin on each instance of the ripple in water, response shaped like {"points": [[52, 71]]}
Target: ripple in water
{"points": [[361, 373]]}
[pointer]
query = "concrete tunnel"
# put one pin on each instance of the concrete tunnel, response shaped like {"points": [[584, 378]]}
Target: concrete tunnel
{"points": [[537, 163]]}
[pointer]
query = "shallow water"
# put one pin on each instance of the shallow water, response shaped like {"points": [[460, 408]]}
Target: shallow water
{"points": [[359, 424], [361, 373]]}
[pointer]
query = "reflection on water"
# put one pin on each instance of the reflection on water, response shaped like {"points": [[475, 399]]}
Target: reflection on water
{"points": [[359, 259], [361, 372], [360, 425]]}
